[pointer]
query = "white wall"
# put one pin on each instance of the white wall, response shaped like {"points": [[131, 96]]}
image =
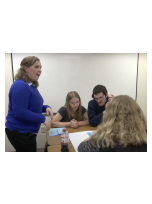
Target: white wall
{"points": [[142, 83], [41, 138], [62, 73]]}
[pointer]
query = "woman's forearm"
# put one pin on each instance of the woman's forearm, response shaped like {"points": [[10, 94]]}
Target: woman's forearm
{"points": [[85, 122], [60, 124]]}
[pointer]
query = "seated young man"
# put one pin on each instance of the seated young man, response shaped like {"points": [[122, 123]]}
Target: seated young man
{"points": [[97, 105]]}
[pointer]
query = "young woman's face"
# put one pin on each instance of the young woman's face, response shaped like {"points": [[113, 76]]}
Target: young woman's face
{"points": [[74, 104], [34, 71]]}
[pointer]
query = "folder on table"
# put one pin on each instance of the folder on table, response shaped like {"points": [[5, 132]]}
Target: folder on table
{"points": [[55, 131]]}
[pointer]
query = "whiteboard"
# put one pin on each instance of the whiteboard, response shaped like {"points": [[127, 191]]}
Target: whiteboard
{"points": [[62, 73]]}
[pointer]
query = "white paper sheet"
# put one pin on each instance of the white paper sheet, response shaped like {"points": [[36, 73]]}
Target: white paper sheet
{"points": [[77, 137]]}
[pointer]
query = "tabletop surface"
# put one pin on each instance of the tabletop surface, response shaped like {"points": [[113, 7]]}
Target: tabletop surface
{"points": [[55, 144]]}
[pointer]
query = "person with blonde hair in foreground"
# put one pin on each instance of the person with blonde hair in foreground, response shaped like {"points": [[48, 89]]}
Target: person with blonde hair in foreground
{"points": [[123, 129]]}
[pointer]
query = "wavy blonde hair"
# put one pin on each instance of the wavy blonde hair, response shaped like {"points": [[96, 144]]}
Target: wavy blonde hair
{"points": [[78, 114], [21, 74], [123, 123]]}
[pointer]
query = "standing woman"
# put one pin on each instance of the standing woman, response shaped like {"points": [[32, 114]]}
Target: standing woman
{"points": [[25, 107], [72, 114]]}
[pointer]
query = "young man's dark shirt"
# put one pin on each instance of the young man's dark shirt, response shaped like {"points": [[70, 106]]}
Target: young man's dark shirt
{"points": [[95, 112]]}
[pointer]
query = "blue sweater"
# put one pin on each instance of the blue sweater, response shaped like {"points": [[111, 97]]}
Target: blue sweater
{"points": [[95, 112], [25, 108]]}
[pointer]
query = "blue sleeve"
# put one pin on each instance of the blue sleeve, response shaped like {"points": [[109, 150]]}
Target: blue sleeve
{"points": [[94, 119], [20, 96], [44, 107]]}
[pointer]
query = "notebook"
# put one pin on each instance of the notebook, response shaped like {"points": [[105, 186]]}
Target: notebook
{"points": [[55, 131]]}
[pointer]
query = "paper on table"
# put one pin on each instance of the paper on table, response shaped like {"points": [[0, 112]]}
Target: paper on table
{"points": [[55, 131], [89, 133], [77, 137]]}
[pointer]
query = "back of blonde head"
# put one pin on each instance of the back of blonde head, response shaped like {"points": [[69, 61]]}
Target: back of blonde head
{"points": [[123, 123]]}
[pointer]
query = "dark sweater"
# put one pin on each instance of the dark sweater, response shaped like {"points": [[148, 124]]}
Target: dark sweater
{"points": [[95, 112], [88, 147]]}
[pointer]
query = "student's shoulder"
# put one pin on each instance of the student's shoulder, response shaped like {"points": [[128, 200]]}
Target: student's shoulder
{"points": [[19, 84], [92, 102], [83, 108], [62, 109]]}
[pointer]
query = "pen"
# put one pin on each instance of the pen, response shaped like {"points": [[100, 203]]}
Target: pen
{"points": [[55, 135], [57, 132]]}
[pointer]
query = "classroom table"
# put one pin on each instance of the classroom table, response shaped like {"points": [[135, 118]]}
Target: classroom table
{"points": [[54, 144]]}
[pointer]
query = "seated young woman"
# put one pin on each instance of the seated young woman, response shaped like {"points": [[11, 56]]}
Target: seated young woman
{"points": [[72, 114], [123, 129]]}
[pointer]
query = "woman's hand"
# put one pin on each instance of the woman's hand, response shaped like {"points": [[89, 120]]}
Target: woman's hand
{"points": [[74, 123], [94, 132], [49, 112], [47, 124]]}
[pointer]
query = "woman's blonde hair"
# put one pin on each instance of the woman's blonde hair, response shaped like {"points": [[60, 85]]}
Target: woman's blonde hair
{"points": [[21, 74], [123, 123], [78, 114]]}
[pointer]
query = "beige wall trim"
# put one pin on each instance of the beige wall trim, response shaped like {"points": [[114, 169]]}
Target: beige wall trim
{"points": [[142, 82], [137, 77], [12, 67]]}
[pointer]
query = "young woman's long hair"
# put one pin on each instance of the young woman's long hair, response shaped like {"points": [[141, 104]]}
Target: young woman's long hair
{"points": [[78, 114], [21, 74], [123, 123]]}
